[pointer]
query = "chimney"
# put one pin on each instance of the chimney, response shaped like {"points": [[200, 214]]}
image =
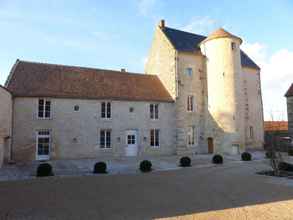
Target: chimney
{"points": [[123, 70], [162, 24]]}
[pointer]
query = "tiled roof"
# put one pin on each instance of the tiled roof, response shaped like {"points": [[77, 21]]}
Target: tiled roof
{"points": [[221, 33], [276, 126], [290, 91], [189, 42], [30, 79]]}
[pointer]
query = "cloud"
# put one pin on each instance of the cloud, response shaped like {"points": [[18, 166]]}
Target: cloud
{"points": [[276, 77], [201, 25], [146, 6]]}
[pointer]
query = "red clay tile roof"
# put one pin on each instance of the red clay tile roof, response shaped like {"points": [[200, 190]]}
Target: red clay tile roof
{"points": [[290, 91], [220, 33], [30, 79], [276, 126]]}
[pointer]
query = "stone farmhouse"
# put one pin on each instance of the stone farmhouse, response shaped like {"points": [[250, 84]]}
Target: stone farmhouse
{"points": [[289, 96], [198, 95]]}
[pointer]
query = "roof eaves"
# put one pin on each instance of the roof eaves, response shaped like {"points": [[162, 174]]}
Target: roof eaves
{"points": [[11, 73]]}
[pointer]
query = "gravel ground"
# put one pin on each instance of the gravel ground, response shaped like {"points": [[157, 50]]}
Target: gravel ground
{"points": [[229, 191]]}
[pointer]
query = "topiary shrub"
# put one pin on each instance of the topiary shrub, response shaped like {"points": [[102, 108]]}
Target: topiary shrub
{"points": [[283, 166], [44, 169], [245, 156], [145, 166], [185, 162], [290, 152], [270, 154], [217, 159], [100, 167]]}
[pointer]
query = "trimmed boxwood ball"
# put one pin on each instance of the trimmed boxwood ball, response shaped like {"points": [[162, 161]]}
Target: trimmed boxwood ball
{"points": [[217, 159], [290, 152], [145, 166], [100, 167], [245, 156], [185, 162], [44, 169]]}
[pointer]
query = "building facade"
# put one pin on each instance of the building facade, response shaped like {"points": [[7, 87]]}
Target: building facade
{"points": [[198, 95], [289, 96]]}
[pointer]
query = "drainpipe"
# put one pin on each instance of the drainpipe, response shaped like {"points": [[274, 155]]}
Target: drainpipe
{"points": [[11, 130]]}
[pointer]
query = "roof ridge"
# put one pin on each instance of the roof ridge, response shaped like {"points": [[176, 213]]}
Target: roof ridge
{"points": [[82, 67]]}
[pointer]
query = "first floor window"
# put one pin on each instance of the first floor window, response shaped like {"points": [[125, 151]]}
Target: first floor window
{"points": [[190, 100], [155, 137], [191, 136], [106, 109], [154, 111], [188, 71], [44, 108], [105, 139], [251, 132], [43, 142]]}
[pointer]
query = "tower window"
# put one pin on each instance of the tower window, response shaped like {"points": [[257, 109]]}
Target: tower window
{"points": [[233, 46], [188, 71]]}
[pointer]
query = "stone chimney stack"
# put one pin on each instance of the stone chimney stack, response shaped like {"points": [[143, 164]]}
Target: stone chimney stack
{"points": [[162, 24], [123, 70]]}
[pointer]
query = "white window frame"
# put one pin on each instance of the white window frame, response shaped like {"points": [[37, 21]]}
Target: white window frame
{"points": [[156, 144], [190, 103], [44, 109], [108, 105], [154, 111], [38, 135], [105, 146], [251, 132]]}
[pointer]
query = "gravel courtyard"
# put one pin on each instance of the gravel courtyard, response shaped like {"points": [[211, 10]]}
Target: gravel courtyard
{"points": [[229, 191]]}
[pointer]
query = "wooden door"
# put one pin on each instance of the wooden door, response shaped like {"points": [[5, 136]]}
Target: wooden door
{"points": [[210, 145]]}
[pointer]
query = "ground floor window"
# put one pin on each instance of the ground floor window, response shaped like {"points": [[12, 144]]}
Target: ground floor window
{"points": [[251, 132], [155, 137], [43, 144], [105, 139], [191, 136]]}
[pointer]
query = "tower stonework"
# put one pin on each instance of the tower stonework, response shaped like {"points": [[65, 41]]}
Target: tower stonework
{"points": [[225, 109]]}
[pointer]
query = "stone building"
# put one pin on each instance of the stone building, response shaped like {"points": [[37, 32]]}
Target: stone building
{"points": [[289, 96], [198, 95]]}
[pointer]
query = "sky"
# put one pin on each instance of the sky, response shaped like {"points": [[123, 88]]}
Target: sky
{"points": [[117, 34]]}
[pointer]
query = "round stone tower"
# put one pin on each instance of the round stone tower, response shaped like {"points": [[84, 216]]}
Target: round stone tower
{"points": [[225, 124]]}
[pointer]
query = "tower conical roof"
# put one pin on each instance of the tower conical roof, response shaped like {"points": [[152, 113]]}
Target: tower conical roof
{"points": [[221, 33]]}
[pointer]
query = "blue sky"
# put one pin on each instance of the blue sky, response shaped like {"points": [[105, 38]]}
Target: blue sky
{"points": [[117, 34]]}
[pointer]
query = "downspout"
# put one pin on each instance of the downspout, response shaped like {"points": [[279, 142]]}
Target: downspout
{"points": [[11, 130]]}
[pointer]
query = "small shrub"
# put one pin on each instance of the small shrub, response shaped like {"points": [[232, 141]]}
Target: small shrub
{"points": [[290, 152], [283, 166], [44, 169], [185, 162], [270, 154], [145, 166], [100, 167], [217, 159], [245, 156]]}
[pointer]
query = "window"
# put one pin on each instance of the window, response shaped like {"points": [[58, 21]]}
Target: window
{"points": [[191, 136], [251, 132], [190, 103], [131, 109], [233, 46], [106, 109], [154, 111], [188, 71], [43, 144], [76, 108], [44, 109], [155, 137], [130, 139], [105, 139]]}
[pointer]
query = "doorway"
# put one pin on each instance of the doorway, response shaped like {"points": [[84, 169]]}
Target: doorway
{"points": [[131, 143], [210, 145]]}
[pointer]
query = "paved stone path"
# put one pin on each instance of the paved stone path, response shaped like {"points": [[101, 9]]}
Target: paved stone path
{"points": [[229, 191]]}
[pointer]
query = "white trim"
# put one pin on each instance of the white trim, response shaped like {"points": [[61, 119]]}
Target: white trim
{"points": [[155, 146], [44, 111]]}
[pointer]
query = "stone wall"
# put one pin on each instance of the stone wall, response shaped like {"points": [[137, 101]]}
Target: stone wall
{"points": [[5, 122], [76, 134]]}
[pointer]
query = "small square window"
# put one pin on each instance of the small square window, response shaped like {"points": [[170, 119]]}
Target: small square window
{"points": [[131, 109], [76, 108], [189, 71], [233, 46]]}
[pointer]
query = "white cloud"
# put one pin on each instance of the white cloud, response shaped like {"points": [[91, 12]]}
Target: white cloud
{"points": [[276, 76], [201, 25], [146, 6]]}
